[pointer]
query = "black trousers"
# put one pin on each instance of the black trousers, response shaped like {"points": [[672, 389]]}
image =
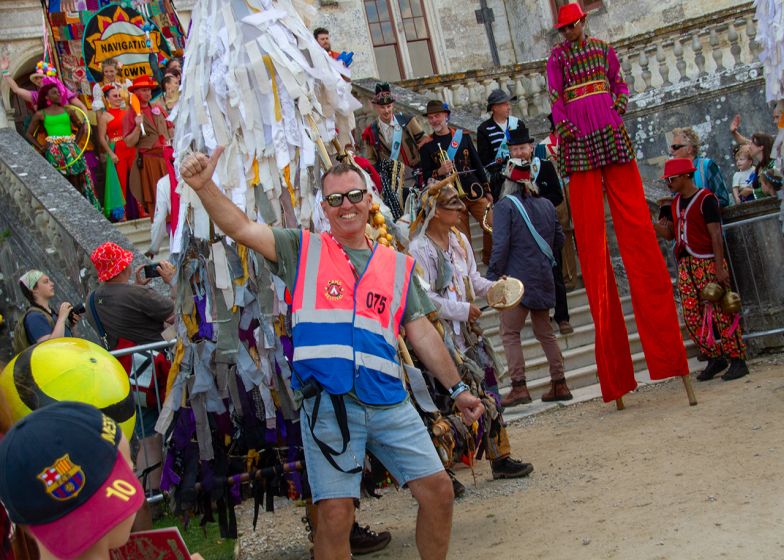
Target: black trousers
{"points": [[561, 307]]}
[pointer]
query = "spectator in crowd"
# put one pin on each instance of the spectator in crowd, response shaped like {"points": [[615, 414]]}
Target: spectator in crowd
{"points": [[110, 68], [699, 250], [173, 66], [742, 179], [128, 315], [171, 92], [686, 144], [68, 483], [526, 233], [761, 145], [770, 182], [41, 322], [61, 148]]}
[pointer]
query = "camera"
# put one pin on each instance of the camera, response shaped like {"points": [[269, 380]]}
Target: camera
{"points": [[151, 270], [77, 309]]}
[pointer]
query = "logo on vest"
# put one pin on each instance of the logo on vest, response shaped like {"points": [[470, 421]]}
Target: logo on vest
{"points": [[334, 290]]}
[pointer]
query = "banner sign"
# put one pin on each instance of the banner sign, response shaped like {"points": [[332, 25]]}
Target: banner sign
{"points": [[119, 33], [140, 34]]}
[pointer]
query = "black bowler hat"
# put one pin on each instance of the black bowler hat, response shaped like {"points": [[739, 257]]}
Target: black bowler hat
{"points": [[498, 96], [436, 106], [519, 135]]}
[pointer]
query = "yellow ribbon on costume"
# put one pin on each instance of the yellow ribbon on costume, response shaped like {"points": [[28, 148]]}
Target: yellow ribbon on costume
{"points": [[174, 370], [271, 70]]}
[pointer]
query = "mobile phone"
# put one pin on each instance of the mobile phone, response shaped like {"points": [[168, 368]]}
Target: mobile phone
{"points": [[151, 270]]}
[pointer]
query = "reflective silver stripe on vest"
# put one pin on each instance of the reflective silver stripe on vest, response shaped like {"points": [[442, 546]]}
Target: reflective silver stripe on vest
{"points": [[311, 272], [400, 281], [375, 327], [322, 351], [379, 364], [322, 316]]}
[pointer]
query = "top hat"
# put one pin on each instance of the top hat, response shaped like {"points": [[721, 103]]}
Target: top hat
{"points": [[143, 82], [64, 478], [519, 135], [383, 95], [436, 106], [677, 166], [498, 96], [569, 14]]}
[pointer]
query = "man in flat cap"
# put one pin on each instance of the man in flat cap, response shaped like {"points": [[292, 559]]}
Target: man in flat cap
{"points": [[492, 135], [450, 150]]}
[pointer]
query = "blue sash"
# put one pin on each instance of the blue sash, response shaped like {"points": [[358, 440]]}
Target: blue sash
{"points": [[544, 247], [454, 144], [503, 149], [397, 141]]}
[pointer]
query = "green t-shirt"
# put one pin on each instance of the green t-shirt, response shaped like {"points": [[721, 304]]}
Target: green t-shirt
{"points": [[418, 303]]}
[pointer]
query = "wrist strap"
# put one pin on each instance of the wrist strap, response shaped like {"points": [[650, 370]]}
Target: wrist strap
{"points": [[457, 389]]}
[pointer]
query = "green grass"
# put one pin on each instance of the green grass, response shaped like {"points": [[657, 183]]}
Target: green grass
{"points": [[210, 546]]}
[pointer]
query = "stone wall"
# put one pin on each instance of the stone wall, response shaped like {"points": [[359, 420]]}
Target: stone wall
{"points": [[45, 224]]}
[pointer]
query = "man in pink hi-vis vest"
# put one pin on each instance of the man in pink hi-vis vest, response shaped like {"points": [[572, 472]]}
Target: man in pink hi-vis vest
{"points": [[393, 432], [588, 97]]}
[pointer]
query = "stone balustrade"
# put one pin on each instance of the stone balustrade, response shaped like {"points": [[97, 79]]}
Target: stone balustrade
{"points": [[47, 225], [703, 52]]}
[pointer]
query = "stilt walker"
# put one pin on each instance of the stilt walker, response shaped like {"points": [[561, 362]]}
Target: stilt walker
{"points": [[588, 96]]}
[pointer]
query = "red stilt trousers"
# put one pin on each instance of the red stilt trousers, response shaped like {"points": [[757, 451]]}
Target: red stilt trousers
{"points": [[649, 282]]}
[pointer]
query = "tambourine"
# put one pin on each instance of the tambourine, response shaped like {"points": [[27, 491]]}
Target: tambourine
{"points": [[505, 293]]}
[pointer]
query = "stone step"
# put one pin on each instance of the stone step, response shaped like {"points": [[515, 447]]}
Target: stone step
{"points": [[138, 233], [578, 316], [587, 392], [586, 375]]}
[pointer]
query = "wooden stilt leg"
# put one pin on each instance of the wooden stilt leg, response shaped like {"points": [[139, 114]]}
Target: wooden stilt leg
{"points": [[689, 389], [619, 403]]}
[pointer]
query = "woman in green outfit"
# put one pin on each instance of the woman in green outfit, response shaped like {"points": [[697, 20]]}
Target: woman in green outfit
{"points": [[61, 148]]}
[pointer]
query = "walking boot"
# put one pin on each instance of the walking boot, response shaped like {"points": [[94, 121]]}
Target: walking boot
{"points": [[558, 392], [565, 327], [738, 369], [365, 541], [518, 395], [715, 365], [510, 468]]}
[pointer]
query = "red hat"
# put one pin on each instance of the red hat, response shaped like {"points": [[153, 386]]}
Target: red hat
{"points": [[677, 166], [110, 260], [143, 82], [568, 14], [109, 87]]}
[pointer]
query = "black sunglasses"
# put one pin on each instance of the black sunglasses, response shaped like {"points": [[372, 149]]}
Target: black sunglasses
{"points": [[675, 147], [354, 196]]}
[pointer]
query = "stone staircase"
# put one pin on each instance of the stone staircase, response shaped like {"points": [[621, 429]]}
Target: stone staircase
{"points": [[138, 232], [577, 348]]}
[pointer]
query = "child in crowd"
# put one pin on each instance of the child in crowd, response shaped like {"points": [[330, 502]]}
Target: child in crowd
{"points": [[743, 177]]}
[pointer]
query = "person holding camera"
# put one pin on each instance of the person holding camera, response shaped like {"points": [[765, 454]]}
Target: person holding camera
{"points": [[132, 312], [41, 322]]}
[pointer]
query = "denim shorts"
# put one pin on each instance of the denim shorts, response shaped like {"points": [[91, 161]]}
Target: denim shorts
{"points": [[396, 435]]}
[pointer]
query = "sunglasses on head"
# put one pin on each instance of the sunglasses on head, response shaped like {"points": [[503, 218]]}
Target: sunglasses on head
{"points": [[756, 141], [354, 196], [675, 147]]}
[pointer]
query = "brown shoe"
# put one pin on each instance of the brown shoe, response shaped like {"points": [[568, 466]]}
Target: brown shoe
{"points": [[558, 392], [518, 395], [565, 327]]}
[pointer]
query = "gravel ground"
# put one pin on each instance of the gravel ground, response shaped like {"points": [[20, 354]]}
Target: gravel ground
{"points": [[659, 480]]}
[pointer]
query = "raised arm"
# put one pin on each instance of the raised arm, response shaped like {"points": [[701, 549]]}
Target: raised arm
{"points": [[197, 170]]}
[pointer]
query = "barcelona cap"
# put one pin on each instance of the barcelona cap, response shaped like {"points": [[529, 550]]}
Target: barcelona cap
{"points": [[63, 477]]}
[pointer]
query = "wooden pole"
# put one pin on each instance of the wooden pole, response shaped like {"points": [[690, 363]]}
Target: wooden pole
{"points": [[619, 403], [689, 389]]}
